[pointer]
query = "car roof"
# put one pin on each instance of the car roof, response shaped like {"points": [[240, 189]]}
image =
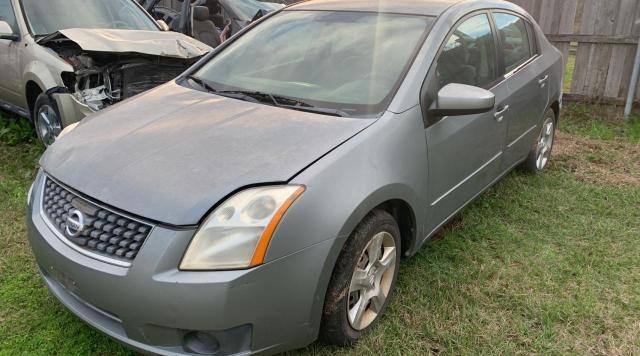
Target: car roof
{"points": [[409, 7]]}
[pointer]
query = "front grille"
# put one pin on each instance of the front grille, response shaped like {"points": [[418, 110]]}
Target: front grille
{"points": [[104, 232]]}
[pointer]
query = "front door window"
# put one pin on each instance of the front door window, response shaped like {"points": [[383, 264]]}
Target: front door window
{"points": [[469, 55]]}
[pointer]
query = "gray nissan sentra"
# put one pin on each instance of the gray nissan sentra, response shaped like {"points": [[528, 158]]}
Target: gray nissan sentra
{"points": [[265, 198]]}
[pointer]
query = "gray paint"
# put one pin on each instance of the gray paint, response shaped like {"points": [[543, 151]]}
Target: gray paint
{"points": [[465, 98], [184, 150], [436, 169]]}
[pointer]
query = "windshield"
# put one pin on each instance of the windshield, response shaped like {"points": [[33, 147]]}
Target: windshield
{"points": [[46, 17], [245, 10], [348, 61]]}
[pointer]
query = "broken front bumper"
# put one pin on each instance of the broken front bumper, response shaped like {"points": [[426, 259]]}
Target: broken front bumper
{"points": [[71, 110]]}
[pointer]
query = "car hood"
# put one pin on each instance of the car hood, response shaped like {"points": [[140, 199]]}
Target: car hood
{"points": [[172, 153], [155, 43]]}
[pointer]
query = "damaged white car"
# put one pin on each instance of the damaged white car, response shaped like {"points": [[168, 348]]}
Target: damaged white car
{"points": [[64, 59]]}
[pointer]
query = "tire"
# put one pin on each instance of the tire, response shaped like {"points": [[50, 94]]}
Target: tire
{"points": [[46, 119], [540, 153], [347, 294]]}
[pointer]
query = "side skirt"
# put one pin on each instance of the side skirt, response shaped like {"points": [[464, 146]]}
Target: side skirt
{"points": [[14, 109], [447, 220]]}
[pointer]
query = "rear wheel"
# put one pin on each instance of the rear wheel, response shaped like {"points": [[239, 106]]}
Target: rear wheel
{"points": [[47, 119], [363, 280], [540, 154]]}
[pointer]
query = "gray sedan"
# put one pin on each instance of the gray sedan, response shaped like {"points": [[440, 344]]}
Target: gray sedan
{"points": [[265, 198]]}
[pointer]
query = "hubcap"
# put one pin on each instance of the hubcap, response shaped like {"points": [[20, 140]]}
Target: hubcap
{"points": [[371, 281], [545, 143], [49, 126]]}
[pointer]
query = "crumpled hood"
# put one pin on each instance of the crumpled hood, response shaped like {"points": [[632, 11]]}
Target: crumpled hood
{"points": [[172, 153], [155, 43]]}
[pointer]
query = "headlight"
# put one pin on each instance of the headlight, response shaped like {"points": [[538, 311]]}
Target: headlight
{"points": [[30, 192], [237, 234], [68, 129]]}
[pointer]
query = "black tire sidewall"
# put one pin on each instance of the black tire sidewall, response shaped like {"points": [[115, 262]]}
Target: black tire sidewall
{"points": [[335, 328]]}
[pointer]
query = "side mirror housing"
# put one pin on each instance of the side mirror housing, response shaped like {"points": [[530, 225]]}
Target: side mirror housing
{"points": [[6, 33], [163, 25], [459, 99]]}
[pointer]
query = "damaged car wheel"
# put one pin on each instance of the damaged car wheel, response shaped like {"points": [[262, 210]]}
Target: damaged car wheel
{"points": [[47, 120]]}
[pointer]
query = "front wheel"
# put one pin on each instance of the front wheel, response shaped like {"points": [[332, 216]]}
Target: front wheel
{"points": [[540, 154], [363, 280], [47, 120]]}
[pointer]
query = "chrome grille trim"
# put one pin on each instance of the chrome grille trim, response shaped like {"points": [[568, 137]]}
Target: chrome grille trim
{"points": [[103, 256]]}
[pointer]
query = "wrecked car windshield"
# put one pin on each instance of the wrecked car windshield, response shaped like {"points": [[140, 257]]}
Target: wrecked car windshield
{"points": [[347, 61], [46, 17], [245, 10]]}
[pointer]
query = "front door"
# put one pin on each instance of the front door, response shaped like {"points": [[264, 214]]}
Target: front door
{"points": [[10, 83], [465, 152]]}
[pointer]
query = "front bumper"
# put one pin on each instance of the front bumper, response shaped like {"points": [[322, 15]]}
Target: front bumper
{"points": [[153, 307], [71, 110]]}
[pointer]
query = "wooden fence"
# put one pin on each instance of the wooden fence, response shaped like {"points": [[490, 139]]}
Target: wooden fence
{"points": [[598, 38]]}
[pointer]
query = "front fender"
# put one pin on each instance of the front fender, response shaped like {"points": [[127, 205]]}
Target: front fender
{"points": [[387, 161], [45, 68]]}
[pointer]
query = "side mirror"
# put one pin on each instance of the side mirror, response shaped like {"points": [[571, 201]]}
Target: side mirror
{"points": [[6, 33], [459, 99], [163, 25]]}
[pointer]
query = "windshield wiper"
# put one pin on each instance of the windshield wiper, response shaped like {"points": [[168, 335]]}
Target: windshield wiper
{"points": [[286, 103], [317, 110], [201, 83]]}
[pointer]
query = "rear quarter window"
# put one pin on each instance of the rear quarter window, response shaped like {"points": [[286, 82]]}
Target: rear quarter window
{"points": [[515, 42]]}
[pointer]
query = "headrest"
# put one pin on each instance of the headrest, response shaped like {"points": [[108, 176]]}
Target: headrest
{"points": [[200, 13]]}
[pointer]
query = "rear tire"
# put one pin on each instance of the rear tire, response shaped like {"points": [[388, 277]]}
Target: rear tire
{"points": [[363, 280], [46, 119], [540, 153]]}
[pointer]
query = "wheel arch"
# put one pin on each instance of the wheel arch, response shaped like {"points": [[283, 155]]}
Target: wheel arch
{"points": [[32, 91], [555, 106], [396, 199]]}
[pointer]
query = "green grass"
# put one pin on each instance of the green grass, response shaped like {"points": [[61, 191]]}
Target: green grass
{"points": [[14, 131], [600, 122], [546, 264], [569, 72]]}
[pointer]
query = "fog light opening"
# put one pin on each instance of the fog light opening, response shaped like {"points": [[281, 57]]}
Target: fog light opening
{"points": [[201, 342]]}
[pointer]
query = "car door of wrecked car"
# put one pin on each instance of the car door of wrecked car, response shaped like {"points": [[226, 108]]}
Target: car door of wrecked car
{"points": [[10, 78]]}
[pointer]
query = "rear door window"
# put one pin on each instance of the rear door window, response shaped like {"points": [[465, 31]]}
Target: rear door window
{"points": [[514, 40]]}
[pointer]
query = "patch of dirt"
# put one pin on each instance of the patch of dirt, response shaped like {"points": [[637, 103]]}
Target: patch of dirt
{"points": [[456, 223], [598, 162]]}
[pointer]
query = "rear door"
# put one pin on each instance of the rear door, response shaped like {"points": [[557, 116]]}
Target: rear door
{"points": [[464, 152], [527, 82]]}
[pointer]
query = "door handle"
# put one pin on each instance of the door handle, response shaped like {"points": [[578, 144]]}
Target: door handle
{"points": [[543, 80], [499, 115]]}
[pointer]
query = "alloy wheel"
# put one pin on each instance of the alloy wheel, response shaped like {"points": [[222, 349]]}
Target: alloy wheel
{"points": [[545, 143], [371, 281], [48, 124]]}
